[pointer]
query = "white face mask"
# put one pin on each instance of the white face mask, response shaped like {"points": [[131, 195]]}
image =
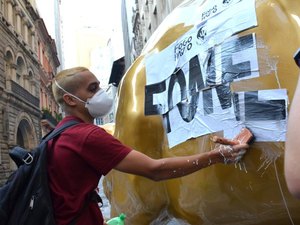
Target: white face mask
{"points": [[98, 105]]}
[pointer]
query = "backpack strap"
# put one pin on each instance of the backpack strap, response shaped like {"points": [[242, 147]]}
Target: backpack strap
{"points": [[58, 131], [92, 197], [20, 156]]}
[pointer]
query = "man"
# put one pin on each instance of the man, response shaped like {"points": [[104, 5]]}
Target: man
{"points": [[85, 152]]}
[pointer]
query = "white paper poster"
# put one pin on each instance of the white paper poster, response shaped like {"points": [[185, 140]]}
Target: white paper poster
{"points": [[189, 81], [263, 112]]}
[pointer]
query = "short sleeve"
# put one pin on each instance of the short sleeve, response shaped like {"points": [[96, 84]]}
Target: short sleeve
{"points": [[102, 151]]}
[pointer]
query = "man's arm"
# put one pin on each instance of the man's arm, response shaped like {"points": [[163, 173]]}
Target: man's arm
{"points": [[166, 168]]}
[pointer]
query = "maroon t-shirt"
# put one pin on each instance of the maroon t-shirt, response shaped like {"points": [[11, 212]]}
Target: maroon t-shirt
{"points": [[80, 156]]}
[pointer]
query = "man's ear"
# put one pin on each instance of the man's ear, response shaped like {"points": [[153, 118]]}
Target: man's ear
{"points": [[69, 100]]}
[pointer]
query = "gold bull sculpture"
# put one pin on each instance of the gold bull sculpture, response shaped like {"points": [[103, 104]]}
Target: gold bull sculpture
{"points": [[220, 194]]}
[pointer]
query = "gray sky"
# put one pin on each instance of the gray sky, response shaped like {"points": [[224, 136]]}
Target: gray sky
{"points": [[101, 15]]}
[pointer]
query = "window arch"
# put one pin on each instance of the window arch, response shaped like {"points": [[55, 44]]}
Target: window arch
{"points": [[25, 133], [9, 65], [2, 6], [20, 70]]}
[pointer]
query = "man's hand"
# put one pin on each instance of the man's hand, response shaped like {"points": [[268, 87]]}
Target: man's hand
{"points": [[233, 150], [232, 153]]}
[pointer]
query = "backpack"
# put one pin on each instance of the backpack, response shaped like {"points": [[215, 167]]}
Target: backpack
{"points": [[25, 198]]}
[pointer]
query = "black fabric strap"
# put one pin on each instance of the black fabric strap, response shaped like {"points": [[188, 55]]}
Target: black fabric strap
{"points": [[59, 130], [92, 197], [20, 156]]}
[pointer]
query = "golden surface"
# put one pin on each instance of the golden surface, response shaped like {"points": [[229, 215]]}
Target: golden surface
{"points": [[220, 194]]}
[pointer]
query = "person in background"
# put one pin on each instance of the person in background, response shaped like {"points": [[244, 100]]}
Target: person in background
{"points": [[292, 145], [85, 152]]}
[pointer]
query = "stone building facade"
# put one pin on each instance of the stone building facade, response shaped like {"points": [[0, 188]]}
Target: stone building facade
{"points": [[49, 62], [20, 69]]}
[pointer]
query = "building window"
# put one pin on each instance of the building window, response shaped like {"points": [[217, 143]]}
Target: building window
{"points": [[30, 83], [20, 70], [18, 78], [99, 121], [8, 64], [155, 10], [32, 39], [111, 117], [2, 6], [14, 18], [9, 12]]}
